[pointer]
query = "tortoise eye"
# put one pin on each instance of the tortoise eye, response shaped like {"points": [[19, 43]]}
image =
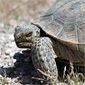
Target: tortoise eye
{"points": [[29, 34]]}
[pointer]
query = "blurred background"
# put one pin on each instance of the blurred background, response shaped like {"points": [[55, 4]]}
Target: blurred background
{"points": [[13, 12]]}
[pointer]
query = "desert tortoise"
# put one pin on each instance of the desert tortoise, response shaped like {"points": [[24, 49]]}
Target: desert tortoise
{"points": [[59, 33]]}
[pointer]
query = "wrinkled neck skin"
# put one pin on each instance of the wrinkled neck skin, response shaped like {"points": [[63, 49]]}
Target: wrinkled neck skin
{"points": [[36, 33]]}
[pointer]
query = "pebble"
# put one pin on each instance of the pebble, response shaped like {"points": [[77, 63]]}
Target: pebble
{"points": [[9, 80], [14, 60], [8, 51], [11, 37], [12, 54], [1, 76]]}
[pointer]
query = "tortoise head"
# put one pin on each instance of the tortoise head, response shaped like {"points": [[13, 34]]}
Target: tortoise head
{"points": [[25, 35]]}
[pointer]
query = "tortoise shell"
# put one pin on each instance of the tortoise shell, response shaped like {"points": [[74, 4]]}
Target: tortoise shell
{"points": [[65, 21]]}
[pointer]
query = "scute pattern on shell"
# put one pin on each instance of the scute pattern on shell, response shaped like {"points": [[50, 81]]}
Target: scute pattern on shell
{"points": [[65, 21]]}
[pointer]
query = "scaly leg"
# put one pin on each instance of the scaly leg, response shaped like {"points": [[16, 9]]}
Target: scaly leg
{"points": [[43, 58]]}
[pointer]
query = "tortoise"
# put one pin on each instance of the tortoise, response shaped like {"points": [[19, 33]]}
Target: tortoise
{"points": [[58, 33]]}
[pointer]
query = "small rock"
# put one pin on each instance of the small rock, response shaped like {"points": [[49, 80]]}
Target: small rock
{"points": [[11, 37], [10, 64], [12, 54], [12, 44], [5, 65], [1, 76], [8, 51], [14, 60], [9, 80]]}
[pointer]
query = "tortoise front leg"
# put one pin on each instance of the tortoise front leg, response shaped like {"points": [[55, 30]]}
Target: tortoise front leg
{"points": [[43, 58]]}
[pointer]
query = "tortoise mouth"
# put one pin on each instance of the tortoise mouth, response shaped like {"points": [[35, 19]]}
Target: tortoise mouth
{"points": [[24, 44]]}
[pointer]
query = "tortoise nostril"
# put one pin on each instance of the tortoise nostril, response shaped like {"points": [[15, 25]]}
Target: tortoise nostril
{"points": [[29, 34]]}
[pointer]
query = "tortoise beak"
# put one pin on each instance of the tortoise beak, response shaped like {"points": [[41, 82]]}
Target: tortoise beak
{"points": [[22, 42]]}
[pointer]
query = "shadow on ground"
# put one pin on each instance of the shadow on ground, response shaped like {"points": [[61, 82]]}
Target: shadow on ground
{"points": [[24, 70]]}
